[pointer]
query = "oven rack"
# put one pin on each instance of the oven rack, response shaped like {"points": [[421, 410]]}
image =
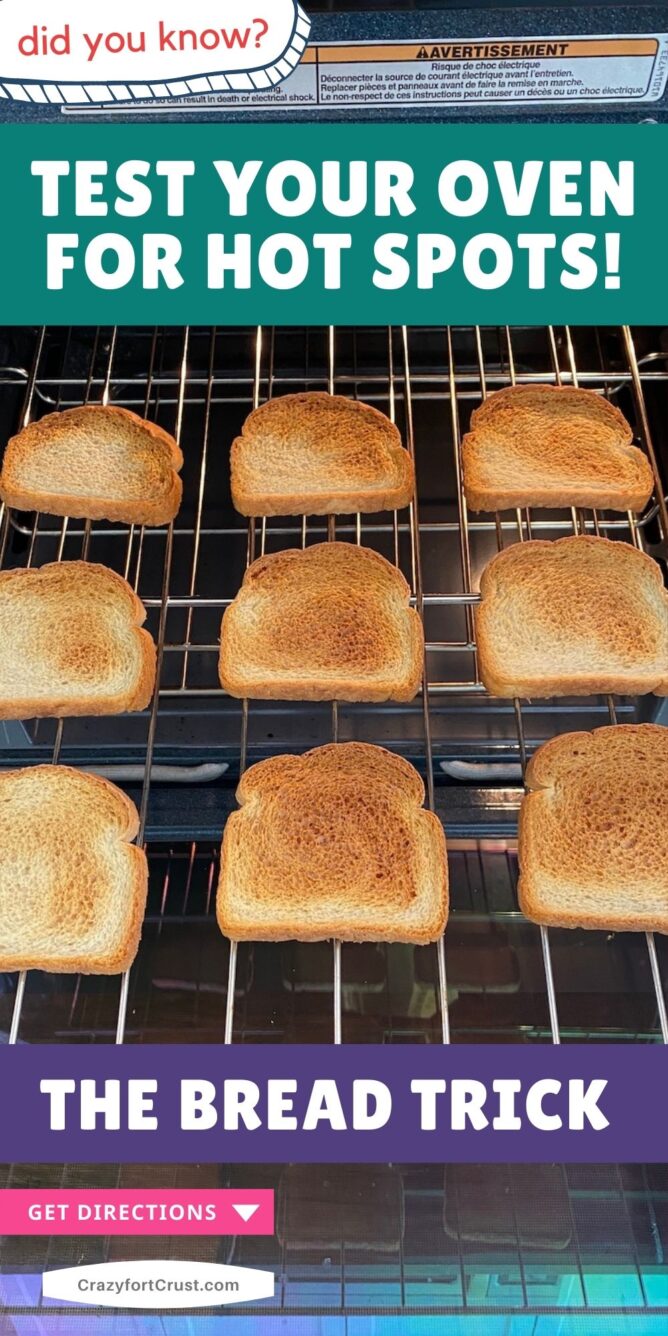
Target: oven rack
{"points": [[600, 1254], [175, 393]]}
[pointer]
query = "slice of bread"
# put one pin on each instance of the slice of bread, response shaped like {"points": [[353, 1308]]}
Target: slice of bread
{"points": [[71, 643], [334, 843], [319, 454], [94, 463], [543, 445], [72, 886], [573, 617], [593, 838], [330, 622], [360, 1207]]}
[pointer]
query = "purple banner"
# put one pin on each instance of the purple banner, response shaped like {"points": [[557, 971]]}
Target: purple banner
{"points": [[263, 1103]]}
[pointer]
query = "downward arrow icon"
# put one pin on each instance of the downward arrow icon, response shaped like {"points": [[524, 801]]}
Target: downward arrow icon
{"points": [[246, 1211]]}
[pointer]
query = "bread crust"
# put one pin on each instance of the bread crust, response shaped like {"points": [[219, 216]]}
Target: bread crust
{"points": [[127, 827], [361, 486], [367, 599], [626, 760], [613, 474], [378, 784], [536, 561], [146, 510], [54, 707]]}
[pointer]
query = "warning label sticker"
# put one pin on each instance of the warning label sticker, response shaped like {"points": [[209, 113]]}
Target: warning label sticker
{"points": [[490, 71]]}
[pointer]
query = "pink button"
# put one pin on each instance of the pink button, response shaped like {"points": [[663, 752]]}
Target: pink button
{"points": [[115, 1211]]}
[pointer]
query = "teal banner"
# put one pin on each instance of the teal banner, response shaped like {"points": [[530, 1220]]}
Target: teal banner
{"points": [[334, 224]]}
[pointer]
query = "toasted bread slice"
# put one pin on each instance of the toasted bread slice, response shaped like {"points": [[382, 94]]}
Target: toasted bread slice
{"points": [[330, 622], [360, 1207], [334, 843], [503, 1204], [593, 839], [94, 463], [72, 886], [573, 618], [319, 454], [71, 643], [542, 445]]}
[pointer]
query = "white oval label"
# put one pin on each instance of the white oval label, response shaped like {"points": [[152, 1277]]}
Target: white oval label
{"points": [[158, 1284]]}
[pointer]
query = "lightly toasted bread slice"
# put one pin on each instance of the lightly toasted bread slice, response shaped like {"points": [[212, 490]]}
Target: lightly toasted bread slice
{"points": [[319, 454], [328, 622], [71, 643], [593, 838], [97, 463], [575, 617], [72, 885], [546, 445], [361, 1206], [334, 843]]}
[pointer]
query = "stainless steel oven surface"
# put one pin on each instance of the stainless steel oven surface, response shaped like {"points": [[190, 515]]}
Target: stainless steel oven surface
{"points": [[383, 1239]]}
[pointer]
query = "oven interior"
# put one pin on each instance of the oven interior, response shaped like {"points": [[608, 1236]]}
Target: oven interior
{"points": [[398, 1239]]}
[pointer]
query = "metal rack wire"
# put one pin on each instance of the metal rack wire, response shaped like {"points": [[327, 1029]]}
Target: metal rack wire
{"points": [[177, 389]]}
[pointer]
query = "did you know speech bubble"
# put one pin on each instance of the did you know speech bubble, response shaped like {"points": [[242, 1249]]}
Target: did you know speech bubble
{"points": [[70, 51]]}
